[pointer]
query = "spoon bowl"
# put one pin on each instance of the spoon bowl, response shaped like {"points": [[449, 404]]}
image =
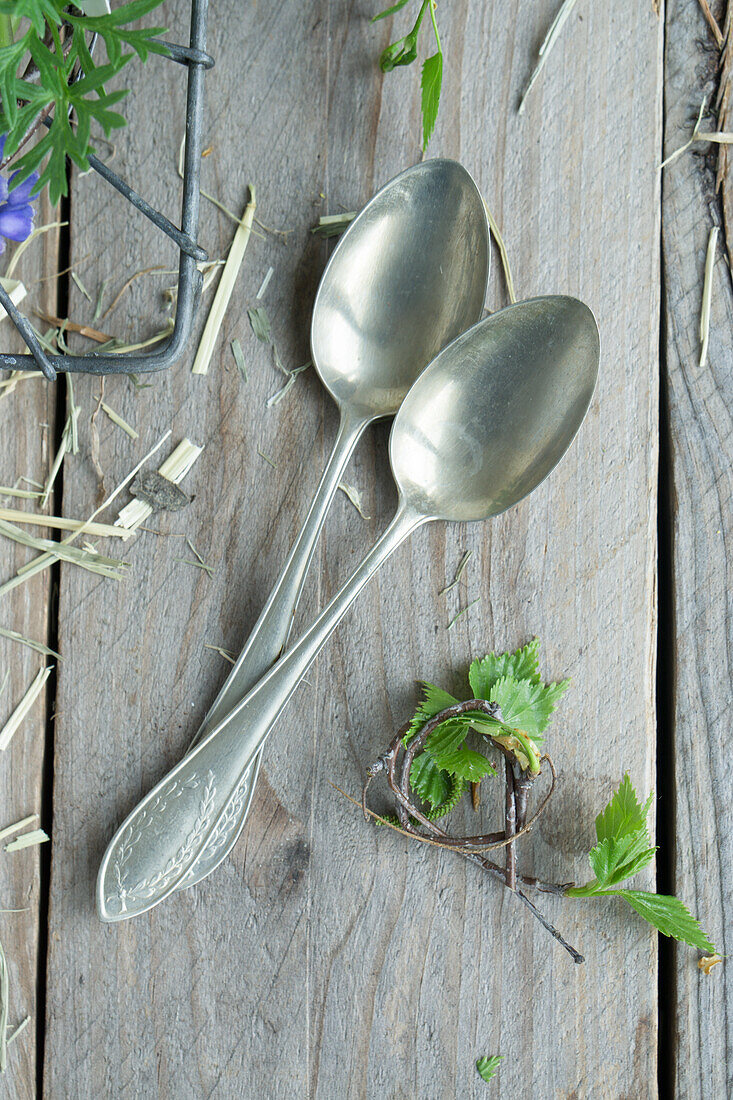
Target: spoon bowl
{"points": [[407, 277], [495, 411]]}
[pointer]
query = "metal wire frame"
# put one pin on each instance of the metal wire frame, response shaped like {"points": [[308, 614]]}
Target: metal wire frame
{"points": [[189, 277]]}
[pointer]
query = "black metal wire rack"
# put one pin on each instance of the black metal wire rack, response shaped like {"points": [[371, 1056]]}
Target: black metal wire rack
{"points": [[191, 254]]}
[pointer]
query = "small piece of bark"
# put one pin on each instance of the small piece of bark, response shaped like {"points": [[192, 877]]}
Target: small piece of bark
{"points": [[159, 493]]}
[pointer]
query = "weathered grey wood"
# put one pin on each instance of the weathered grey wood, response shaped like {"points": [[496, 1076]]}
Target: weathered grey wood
{"points": [[26, 448], [327, 958], [699, 485]]}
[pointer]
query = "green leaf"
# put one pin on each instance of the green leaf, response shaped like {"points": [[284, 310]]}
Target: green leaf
{"points": [[525, 705], [522, 665], [669, 916], [467, 764], [618, 858], [434, 702], [38, 12], [623, 814], [430, 782], [389, 11], [447, 737], [487, 1067], [431, 82]]}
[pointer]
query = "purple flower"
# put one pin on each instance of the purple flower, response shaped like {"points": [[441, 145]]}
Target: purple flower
{"points": [[16, 212]]}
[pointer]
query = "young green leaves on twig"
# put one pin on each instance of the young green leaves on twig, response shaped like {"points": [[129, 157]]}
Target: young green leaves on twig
{"points": [[622, 851], [48, 70], [404, 52], [512, 680], [510, 708]]}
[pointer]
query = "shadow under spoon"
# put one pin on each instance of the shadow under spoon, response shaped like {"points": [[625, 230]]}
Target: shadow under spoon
{"points": [[481, 427]]}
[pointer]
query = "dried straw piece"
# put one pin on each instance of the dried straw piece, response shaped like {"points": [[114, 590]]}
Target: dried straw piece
{"points": [[459, 614], [125, 286], [27, 840], [38, 232], [239, 359], [15, 290], [61, 523], [117, 419], [39, 647], [292, 375], [174, 469], [459, 573], [496, 234], [121, 349], [10, 829], [4, 995], [265, 283], [19, 1029], [267, 460], [47, 559], [333, 225], [21, 494], [707, 290], [355, 496], [222, 652], [225, 288], [22, 709], [712, 23], [80, 286], [94, 563], [72, 326], [550, 39]]}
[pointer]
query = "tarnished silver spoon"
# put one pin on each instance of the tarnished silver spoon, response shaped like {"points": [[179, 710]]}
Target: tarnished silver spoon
{"points": [[481, 427], [408, 276]]}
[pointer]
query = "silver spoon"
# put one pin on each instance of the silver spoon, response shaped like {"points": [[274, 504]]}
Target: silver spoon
{"points": [[409, 275], [483, 425]]}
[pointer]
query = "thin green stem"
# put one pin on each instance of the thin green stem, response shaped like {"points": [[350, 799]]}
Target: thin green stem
{"points": [[435, 26]]}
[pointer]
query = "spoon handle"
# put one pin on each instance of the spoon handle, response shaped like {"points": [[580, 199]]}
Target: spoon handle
{"points": [[269, 638], [272, 629], [164, 836]]}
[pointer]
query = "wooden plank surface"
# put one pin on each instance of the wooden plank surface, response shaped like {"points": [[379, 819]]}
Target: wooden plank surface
{"points": [[326, 958], [27, 428], [699, 484]]}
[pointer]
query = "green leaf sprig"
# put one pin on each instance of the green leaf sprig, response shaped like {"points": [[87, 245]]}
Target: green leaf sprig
{"points": [[452, 752], [513, 681], [487, 1067], [46, 68], [622, 851], [404, 51]]}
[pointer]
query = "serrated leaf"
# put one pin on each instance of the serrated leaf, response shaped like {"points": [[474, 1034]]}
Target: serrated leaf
{"points": [[487, 1067], [525, 705], [623, 814], [430, 83], [616, 859], [669, 916], [467, 764], [522, 665], [448, 737], [430, 782], [435, 700]]}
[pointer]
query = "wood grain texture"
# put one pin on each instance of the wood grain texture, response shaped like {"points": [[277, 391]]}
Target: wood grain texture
{"points": [[326, 958], [26, 449], [700, 488]]}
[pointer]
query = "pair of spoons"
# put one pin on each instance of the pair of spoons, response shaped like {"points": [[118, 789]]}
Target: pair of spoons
{"points": [[477, 429]]}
